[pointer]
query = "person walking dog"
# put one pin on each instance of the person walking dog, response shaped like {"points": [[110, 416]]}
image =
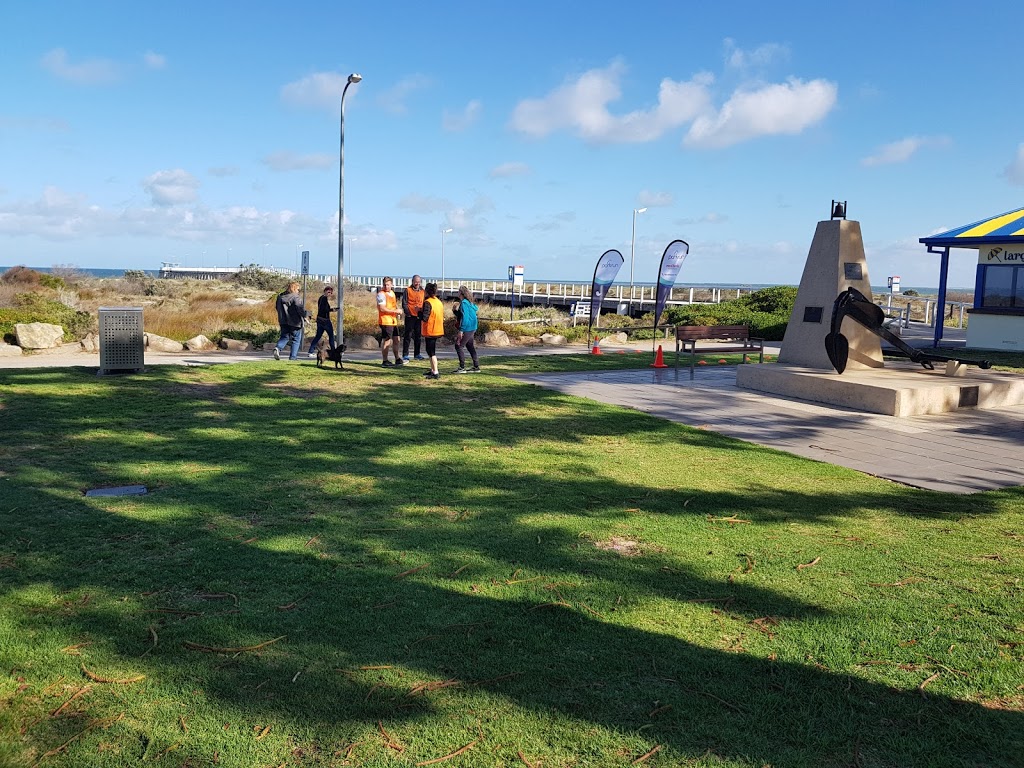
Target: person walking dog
{"points": [[290, 315], [323, 320]]}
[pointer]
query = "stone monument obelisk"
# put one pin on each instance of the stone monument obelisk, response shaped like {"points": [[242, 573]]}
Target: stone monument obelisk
{"points": [[835, 262]]}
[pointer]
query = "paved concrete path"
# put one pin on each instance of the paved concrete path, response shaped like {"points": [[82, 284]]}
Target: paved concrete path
{"points": [[959, 452]]}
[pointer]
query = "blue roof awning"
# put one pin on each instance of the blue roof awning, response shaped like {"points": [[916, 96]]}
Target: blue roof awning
{"points": [[1004, 228]]}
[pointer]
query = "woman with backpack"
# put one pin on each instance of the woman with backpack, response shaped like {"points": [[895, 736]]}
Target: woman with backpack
{"points": [[465, 318]]}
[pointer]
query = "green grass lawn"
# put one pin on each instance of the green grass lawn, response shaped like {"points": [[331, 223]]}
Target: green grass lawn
{"points": [[364, 568]]}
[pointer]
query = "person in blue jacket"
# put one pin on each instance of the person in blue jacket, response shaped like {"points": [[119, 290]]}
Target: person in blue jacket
{"points": [[466, 323]]}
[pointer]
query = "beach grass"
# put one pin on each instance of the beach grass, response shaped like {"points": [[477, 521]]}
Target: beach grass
{"points": [[364, 568]]}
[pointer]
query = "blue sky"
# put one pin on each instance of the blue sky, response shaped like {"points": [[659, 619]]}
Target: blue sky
{"points": [[207, 133]]}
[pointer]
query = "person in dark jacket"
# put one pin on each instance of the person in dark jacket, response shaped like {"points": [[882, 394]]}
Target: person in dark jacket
{"points": [[290, 316], [412, 303], [323, 320]]}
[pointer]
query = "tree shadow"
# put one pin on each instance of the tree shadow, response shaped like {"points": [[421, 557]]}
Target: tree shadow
{"points": [[529, 647]]}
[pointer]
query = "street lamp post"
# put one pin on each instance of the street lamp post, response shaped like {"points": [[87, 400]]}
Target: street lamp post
{"points": [[351, 251], [632, 256], [443, 233], [353, 78]]}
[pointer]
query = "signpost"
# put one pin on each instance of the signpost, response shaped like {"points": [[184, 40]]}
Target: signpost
{"points": [[894, 284], [515, 274], [305, 274]]}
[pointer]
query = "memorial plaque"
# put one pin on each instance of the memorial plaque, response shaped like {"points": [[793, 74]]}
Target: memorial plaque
{"points": [[813, 314], [853, 270]]}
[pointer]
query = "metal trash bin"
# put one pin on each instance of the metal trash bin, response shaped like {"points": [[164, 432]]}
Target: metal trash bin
{"points": [[122, 342]]}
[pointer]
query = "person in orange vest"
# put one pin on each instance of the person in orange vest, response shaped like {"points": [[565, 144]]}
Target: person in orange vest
{"points": [[412, 303], [387, 319], [432, 318]]}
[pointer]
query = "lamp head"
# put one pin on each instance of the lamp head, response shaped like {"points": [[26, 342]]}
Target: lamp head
{"points": [[355, 77], [446, 231], [640, 210]]}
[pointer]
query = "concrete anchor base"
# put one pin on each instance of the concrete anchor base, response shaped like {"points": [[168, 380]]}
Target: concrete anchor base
{"points": [[899, 389]]}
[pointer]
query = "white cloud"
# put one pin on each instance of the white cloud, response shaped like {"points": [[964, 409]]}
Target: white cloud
{"points": [[554, 222], [321, 90], [393, 99], [369, 239], [902, 150], [460, 121], [154, 60], [57, 215], [780, 108], [648, 199], [505, 170], [422, 204], [171, 187], [1014, 172], [762, 56], [711, 217], [581, 107], [33, 124], [87, 72], [290, 161]]}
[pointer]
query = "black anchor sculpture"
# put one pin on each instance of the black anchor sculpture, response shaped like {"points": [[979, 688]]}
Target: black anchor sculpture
{"points": [[855, 305]]}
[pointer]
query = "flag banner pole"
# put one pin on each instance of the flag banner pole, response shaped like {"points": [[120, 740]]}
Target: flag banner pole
{"points": [[605, 271], [671, 261]]}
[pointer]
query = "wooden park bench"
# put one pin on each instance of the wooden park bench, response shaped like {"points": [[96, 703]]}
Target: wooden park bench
{"points": [[734, 338]]}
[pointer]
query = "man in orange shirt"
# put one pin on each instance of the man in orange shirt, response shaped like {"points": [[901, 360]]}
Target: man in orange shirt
{"points": [[387, 318], [412, 303]]}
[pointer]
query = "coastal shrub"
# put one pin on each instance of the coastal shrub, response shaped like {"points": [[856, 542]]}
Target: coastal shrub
{"points": [[35, 308], [254, 276], [776, 299], [766, 312], [20, 275]]}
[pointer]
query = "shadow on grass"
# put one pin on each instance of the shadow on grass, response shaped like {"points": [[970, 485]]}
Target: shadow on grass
{"points": [[237, 470]]}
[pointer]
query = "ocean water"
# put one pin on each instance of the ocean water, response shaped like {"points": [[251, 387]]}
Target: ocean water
{"points": [[877, 289], [89, 271]]}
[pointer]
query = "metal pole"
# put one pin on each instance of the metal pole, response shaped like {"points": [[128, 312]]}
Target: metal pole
{"points": [[632, 255], [353, 78]]}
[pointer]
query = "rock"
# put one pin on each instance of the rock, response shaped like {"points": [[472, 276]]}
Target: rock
{"points": [[9, 350], [496, 339], [38, 335], [552, 339], [235, 345], [90, 343], [199, 344], [74, 347], [162, 344], [614, 338], [362, 341]]}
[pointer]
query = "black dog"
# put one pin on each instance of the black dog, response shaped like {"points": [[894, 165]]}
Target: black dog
{"points": [[323, 352]]}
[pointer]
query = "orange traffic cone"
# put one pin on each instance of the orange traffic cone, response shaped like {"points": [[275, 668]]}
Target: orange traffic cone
{"points": [[596, 350], [659, 359]]}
